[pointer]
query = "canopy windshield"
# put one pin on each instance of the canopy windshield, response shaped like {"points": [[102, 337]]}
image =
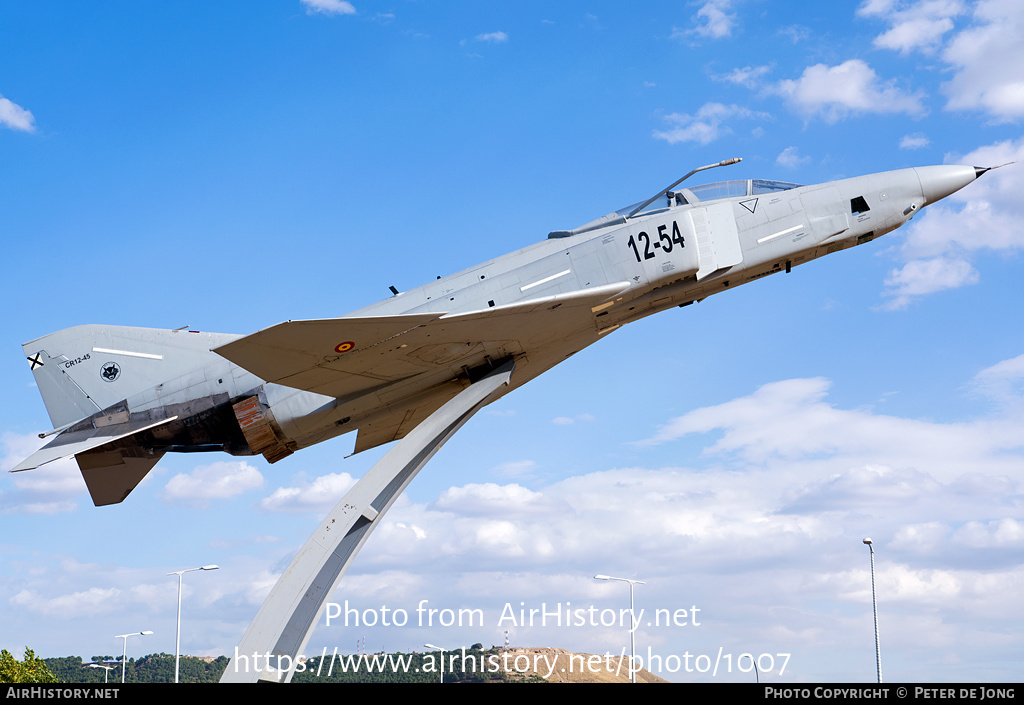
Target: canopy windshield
{"points": [[697, 194], [715, 191]]}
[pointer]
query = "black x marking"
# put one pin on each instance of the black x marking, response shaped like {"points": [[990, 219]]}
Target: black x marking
{"points": [[36, 362]]}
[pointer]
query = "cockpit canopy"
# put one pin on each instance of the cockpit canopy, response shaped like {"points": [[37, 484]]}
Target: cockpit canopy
{"points": [[717, 190], [697, 194]]}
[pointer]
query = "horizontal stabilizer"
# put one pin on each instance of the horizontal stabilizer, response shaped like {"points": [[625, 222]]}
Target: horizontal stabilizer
{"points": [[111, 475], [73, 442]]}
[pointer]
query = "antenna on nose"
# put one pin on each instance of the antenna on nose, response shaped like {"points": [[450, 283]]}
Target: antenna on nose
{"points": [[979, 170]]}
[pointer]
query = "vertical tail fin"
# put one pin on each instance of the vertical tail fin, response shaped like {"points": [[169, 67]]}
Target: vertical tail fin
{"points": [[89, 368], [66, 402]]}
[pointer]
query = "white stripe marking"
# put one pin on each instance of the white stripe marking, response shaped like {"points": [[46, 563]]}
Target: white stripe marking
{"points": [[779, 234], [545, 280], [129, 354]]}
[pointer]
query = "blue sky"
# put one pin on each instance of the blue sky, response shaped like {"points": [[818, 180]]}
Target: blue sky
{"points": [[229, 166]]}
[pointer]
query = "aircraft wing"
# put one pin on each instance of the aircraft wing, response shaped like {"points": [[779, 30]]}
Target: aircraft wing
{"points": [[304, 354], [349, 357]]}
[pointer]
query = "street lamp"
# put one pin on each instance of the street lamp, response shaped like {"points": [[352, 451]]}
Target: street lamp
{"points": [[124, 653], [177, 635], [431, 646], [757, 676], [632, 622], [106, 670], [874, 606]]}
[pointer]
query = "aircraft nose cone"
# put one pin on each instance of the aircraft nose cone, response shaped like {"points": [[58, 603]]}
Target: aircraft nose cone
{"points": [[937, 182]]}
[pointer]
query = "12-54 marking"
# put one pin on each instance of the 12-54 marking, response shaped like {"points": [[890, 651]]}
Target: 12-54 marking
{"points": [[664, 242]]}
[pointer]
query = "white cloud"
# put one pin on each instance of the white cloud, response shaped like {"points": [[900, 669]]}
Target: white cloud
{"points": [[15, 117], [915, 26], [922, 539], [790, 420], [778, 400], [85, 603], [876, 7], [318, 496], [921, 277], [329, 7], [492, 500], [492, 37], [853, 87], [1002, 382], [68, 596], [922, 33], [16, 448], [977, 225], [220, 480], [790, 158], [706, 125], [986, 77], [1001, 533], [918, 140], [50, 489], [796, 33], [570, 420], [714, 21], [748, 76], [516, 468]]}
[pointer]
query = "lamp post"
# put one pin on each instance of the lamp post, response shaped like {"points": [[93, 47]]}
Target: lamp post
{"points": [[757, 675], [124, 652], [431, 646], [177, 635], [106, 670], [632, 622], [874, 606]]}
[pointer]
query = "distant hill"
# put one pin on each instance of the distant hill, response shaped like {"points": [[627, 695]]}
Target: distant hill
{"points": [[155, 668], [562, 666]]}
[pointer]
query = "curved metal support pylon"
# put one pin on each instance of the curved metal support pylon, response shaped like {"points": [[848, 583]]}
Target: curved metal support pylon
{"points": [[270, 647]]}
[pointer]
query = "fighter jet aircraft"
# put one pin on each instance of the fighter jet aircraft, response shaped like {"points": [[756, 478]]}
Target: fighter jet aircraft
{"points": [[120, 398]]}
